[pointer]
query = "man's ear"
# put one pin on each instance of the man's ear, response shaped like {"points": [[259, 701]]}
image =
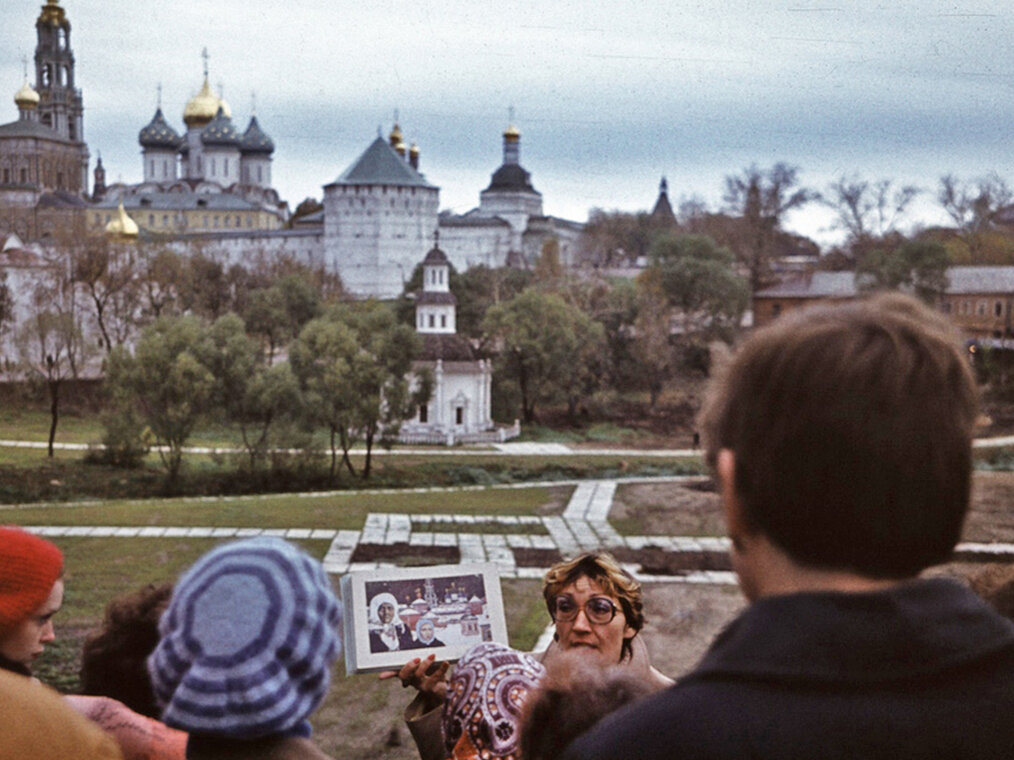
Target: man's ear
{"points": [[732, 506]]}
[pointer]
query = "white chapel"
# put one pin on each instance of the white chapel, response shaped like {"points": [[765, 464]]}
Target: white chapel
{"points": [[460, 408]]}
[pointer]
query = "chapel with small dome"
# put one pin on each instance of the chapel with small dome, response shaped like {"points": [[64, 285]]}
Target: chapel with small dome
{"points": [[460, 407]]}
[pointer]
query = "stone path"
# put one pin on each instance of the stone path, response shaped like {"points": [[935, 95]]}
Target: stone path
{"points": [[583, 526]]}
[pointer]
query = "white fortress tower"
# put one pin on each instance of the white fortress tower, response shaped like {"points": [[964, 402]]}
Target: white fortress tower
{"points": [[378, 217]]}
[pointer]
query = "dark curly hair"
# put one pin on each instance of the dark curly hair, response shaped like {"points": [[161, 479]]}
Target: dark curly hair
{"points": [[113, 660]]}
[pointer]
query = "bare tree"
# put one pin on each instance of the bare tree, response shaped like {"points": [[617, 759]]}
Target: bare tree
{"points": [[108, 272], [973, 205], [867, 210], [49, 342], [762, 197]]}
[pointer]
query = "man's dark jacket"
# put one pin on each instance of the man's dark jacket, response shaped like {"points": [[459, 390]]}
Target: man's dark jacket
{"points": [[923, 670]]}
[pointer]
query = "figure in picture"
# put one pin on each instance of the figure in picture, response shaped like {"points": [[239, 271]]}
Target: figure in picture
{"points": [[388, 633], [426, 633]]}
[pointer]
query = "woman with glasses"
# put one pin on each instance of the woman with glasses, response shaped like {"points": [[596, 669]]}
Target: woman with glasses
{"points": [[597, 609]]}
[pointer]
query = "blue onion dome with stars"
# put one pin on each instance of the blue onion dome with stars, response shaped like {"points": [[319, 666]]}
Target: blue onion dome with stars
{"points": [[159, 134], [220, 131], [255, 139]]}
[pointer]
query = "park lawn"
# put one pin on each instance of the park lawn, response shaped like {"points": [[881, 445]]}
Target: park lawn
{"points": [[361, 716], [334, 510], [98, 569], [24, 423], [18, 456]]}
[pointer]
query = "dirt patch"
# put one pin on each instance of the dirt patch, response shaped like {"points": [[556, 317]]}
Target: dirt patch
{"points": [[693, 508], [670, 509], [683, 619], [991, 517], [536, 557], [406, 555], [658, 561]]}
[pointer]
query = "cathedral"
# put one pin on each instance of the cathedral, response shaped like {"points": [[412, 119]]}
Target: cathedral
{"points": [[208, 184], [43, 156], [211, 177]]}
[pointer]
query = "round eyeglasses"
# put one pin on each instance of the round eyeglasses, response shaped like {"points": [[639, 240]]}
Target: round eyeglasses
{"points": [[599, 610]]}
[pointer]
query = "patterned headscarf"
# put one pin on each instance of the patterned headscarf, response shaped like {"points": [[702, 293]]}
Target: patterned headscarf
{"points": [[482, 710]]}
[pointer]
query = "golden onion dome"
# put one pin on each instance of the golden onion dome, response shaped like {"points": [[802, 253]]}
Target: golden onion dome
{"points": [[396, 137], [122, 226], [52, 13], [202, 108], [512, 132], [414, 150], [26, 97]]}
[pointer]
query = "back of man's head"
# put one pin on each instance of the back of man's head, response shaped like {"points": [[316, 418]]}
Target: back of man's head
{"points": [[851, 431]]}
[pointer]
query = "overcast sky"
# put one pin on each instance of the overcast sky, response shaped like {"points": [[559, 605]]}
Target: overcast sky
{"points": [[609, 96]]}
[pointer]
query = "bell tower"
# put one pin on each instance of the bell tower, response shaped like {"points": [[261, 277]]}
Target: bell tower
{"points": [[60, 103]]}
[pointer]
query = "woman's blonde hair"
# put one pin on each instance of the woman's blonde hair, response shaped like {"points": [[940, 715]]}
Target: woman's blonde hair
{"points": [[616, 582]]}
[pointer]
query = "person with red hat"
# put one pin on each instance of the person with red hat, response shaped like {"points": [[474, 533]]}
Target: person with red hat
{"points": [[31, 592]]}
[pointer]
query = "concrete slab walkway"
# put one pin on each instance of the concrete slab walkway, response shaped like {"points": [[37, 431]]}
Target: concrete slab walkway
{"points": [[583, 526]]}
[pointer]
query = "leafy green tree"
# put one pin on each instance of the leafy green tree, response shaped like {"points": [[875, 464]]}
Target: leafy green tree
{"points": [[916, 266], [209, 289], [266, 317], [271, 397], [248, 393], [762, 198], [652, 346], [161, 274], [699, 282], [618, 238], [169, 381], [6, 305], [354, 364], [552, 350]]}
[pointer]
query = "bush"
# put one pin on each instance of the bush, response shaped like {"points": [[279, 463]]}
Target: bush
{"points": [[125, 444]]}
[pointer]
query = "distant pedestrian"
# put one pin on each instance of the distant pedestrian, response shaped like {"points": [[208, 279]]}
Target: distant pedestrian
{"points": [[697, 439]]}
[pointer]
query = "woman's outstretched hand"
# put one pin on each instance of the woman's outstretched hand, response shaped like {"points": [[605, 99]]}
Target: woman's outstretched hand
{"points": [[427, 675]]}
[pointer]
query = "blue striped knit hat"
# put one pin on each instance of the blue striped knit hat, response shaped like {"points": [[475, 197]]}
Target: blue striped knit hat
{"points": [[247, 642]]}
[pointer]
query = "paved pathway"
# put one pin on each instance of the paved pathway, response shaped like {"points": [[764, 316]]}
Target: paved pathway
{"points": [[494, 450], [583, 526]]}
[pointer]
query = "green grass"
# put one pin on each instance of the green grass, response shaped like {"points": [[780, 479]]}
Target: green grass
{"points": [[346, 510], [22, 423], [98, 569]]}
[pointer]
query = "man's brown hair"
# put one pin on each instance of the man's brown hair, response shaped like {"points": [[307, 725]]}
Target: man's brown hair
{"points": [[851, 428]]}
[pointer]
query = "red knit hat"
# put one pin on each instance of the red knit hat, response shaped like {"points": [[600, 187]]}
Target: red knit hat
{"points": [[29, 566]]}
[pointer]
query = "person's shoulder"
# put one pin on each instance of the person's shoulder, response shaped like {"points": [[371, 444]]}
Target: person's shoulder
{"points": [[665, 724], [37, 723]]}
